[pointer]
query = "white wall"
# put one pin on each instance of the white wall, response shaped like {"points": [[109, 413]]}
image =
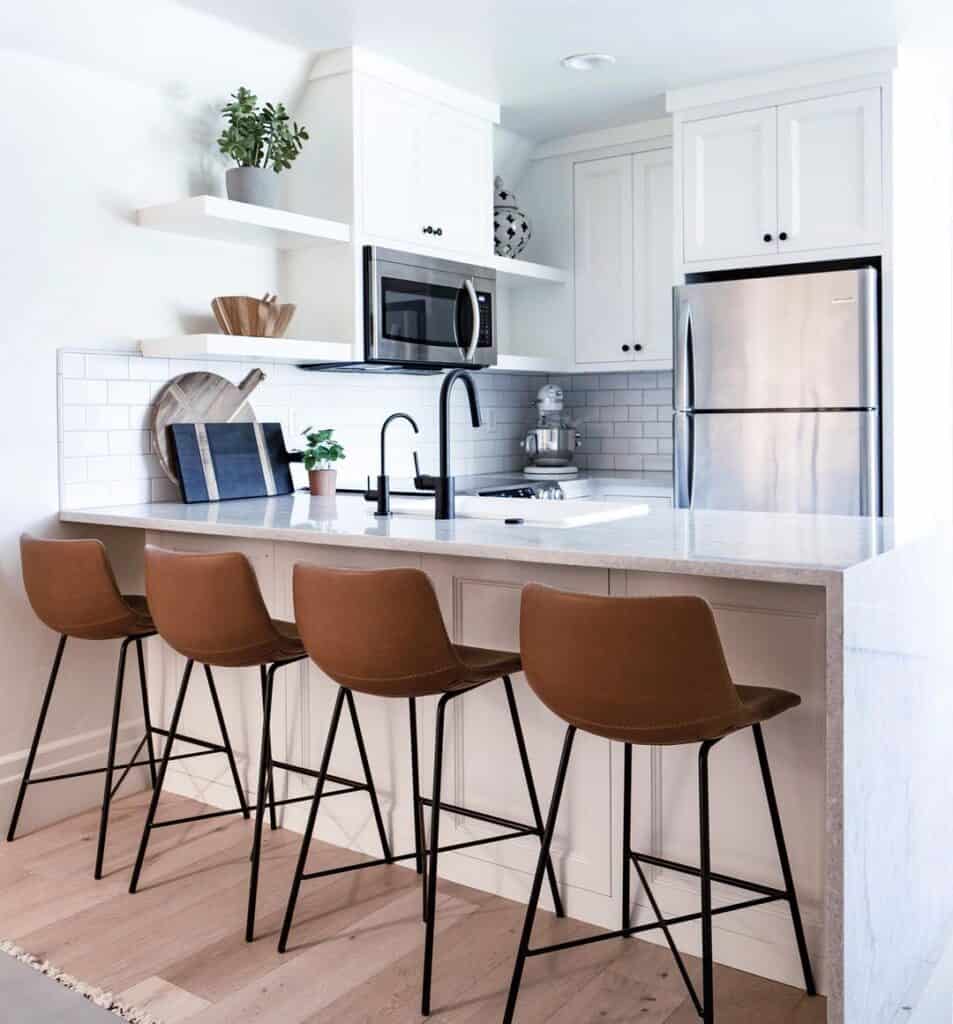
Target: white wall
{"points": [[84, 146]]}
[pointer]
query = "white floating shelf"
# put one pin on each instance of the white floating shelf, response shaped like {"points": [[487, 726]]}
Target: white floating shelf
{"points": [[517, 272], [224, 220], [233, 346], [526, 364]]}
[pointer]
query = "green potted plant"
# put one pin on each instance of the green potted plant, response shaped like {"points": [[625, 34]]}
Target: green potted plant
{"points": [[319, 456], [262, 140]]}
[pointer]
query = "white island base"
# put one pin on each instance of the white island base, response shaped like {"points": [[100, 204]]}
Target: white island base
{"points": [[817, 606]]}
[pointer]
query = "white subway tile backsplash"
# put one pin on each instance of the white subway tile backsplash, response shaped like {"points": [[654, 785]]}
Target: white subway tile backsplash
{"points": [[84, 392], [107, 367], [85, 442], [130, 392], [106, 415]]}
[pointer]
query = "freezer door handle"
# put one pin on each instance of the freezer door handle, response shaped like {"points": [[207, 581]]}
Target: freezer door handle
{"points": [[870, 504], [684, 460], [683, 396]]}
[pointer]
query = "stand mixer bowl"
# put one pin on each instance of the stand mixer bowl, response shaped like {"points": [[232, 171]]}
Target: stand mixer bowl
{"points": [[551, 446]]}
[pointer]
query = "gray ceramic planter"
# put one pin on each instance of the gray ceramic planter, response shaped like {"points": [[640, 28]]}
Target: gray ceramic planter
{"points": [[255, 185]]}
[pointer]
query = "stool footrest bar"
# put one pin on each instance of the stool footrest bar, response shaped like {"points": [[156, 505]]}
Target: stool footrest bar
{"points": [[688, 869], [490, 819], [219, 748], [636, 929], [314, 773], [116, 767]]}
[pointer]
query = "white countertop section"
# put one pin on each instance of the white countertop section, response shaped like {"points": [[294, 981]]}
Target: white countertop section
{"points": [[747, 545]]}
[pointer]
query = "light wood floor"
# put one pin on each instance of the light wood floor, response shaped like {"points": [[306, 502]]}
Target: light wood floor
{"points": [[177, 947]]}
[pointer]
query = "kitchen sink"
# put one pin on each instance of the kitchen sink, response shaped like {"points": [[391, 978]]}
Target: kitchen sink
{"points": [[562, 514]]}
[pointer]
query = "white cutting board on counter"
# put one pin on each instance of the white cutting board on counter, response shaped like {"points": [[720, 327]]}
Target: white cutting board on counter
{"points": [[533, 511]]}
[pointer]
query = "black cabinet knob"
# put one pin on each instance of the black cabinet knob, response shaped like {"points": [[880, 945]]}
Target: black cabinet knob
{"points": [[428, 230], [438, 231], [638, 348], [625, 348], [783, 236], [768, 238]]}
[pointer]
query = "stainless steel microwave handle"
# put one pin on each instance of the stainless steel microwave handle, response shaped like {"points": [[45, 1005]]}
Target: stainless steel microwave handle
{"points": [[475, 332], [682, 395]]}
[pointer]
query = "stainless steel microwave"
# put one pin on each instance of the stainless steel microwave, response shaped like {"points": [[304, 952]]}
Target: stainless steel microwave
{"points": [[426, 312]]}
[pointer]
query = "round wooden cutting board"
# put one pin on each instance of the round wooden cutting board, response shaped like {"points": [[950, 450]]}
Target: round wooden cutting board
{"points": [[199, 398]]}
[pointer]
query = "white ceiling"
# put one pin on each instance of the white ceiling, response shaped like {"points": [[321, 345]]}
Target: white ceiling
{"points": [[509, 50]]}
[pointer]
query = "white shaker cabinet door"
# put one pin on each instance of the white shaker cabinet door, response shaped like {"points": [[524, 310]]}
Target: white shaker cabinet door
{"points": [[604, 279], [654, 268], [456, 181], [729, 183], [830, 176], [392, 127]]}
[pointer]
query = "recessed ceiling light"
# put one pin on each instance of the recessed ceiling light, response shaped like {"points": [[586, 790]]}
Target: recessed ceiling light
{"points": [[587, 61]]}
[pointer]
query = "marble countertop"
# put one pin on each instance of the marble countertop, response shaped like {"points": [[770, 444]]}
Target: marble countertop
{"points": [[746, 545]]}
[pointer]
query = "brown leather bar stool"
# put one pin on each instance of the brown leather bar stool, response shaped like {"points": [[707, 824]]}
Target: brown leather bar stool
{"points": [[657, 675], [208, 608], [381, 633], [72, 589]]}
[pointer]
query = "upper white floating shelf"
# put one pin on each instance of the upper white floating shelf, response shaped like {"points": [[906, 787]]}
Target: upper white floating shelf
{"points": [[225, 220], [517, 272]]}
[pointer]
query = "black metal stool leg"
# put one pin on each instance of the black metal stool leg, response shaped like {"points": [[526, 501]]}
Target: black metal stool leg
{"points": [[264, 762], [419, 842], [431, 918], [272, 809], [704, 829], [785, 862], [34, 746], [233, 767], [146, 715], [163, 768], [111, 760], [312, 818], [531, 789], [627, 836], [538, 877], [368, 778]]}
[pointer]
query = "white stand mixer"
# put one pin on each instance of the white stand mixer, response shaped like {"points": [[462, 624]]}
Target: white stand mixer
{"points": [[551, 444]]}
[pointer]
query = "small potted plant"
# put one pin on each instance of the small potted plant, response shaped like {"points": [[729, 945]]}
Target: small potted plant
{"points": [[263, 141], [319, 456]]}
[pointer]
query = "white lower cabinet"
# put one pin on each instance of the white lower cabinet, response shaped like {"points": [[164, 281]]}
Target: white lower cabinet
{"points": [[623, 258]]}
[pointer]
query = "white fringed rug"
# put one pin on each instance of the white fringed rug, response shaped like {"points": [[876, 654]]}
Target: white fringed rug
{"points": [[97, 996]]}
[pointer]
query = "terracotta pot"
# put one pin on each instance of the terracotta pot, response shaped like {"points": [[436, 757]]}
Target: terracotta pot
{"points": [[323, 482]]}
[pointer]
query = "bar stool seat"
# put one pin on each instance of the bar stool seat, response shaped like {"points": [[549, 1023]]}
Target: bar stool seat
{"points": [[655, 674], [72, 589], [381, 633]]}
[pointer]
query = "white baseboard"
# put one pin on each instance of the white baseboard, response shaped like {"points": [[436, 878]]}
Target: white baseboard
{"points": [[49, 802]]}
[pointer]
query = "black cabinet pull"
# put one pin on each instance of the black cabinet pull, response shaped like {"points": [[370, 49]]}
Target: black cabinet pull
{"points": [[438, 231], [768, 238], [783, 236], [625, 348], [638, 348], [428, 230]]}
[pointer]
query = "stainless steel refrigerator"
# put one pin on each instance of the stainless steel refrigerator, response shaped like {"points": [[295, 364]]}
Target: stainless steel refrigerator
{"points": [[776, 394]]}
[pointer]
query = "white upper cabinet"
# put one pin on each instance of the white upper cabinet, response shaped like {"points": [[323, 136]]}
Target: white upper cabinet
{"points": [[604, 260], [427, 172], [654, 266], [729, 185], [799, 177], [830, 184], [623, 259]]}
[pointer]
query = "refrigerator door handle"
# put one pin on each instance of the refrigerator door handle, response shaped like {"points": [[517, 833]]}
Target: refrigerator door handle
{"points": [[684, 460], [870, 504], [684, 370]]}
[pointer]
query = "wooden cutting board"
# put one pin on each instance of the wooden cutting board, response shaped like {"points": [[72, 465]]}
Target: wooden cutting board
{"points": [[199, 398]]}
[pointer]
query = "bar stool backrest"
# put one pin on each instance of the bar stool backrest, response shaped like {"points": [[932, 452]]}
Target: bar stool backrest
{"points": [[71, 587], [638, 669], [375, 631], [209, 607]]}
